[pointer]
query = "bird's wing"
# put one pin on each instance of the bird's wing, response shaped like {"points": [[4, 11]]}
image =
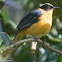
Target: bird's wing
{"points": [[29, 19]]}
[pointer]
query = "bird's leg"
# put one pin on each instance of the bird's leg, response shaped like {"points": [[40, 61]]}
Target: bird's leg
{"points": [[44, 41], [35, 39]]}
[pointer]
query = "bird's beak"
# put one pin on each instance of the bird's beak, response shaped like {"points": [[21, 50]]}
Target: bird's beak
{"points": [[56, 7]]}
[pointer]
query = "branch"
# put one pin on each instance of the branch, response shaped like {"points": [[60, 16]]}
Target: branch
{"points": [[6, 38], [50, 48], [8, 6], [52, 40], [28, 40], [5, 34]]}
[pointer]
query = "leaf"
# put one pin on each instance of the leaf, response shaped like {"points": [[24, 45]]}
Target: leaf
{"points": [[6, 19], [1, 41], [5, 15], [12, 23]]}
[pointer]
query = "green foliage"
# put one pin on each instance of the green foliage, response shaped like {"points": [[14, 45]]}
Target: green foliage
{"points": [[6, 19], [1, 41], [60, 59], [23, 53]]}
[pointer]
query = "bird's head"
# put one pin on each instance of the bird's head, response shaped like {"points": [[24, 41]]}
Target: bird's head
{"points": [[47, 6]]}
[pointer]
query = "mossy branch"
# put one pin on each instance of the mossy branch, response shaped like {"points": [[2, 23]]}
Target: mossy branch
{"points": [[29, 40]]}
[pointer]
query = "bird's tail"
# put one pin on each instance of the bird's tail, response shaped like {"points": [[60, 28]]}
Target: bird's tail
{"points": [[16, 39]]}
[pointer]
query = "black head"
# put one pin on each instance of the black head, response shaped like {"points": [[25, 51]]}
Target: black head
{"points": [[47, 6]]}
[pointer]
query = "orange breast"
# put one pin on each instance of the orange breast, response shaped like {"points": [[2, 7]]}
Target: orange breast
{"points": [[42, 27]]}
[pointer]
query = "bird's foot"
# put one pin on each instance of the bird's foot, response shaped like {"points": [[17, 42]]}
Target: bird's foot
{"points": [[35, 39]]}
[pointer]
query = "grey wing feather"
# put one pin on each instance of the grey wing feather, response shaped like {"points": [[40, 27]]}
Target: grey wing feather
{"points": [[29, 19]]}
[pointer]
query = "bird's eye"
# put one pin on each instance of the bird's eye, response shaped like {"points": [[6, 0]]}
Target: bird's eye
{"points": [[51, 7]]}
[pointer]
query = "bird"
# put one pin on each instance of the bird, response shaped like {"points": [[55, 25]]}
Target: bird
{"points": [[37, 23]]}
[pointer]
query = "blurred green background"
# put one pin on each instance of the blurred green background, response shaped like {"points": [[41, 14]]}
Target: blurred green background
{"points": [[11, 12]]}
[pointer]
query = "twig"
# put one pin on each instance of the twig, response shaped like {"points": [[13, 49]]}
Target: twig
{"points": [[50, 48], [5, 34], [53, 40], [28, 40], [8, 6]]}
